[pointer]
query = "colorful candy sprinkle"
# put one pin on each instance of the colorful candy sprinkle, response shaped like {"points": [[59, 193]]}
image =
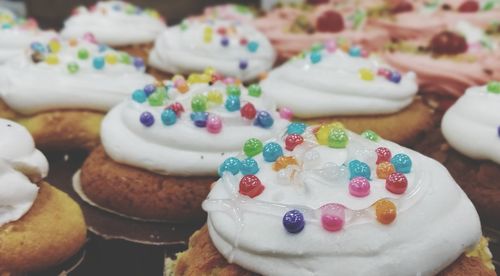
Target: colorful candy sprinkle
{"points": [[253, 46], [252, 147], [395, 77], [248, 111], [332, 217], [337, 138], [293, 140], [315, 57], [355, 51], [251, 186], [296, 128], [359, 187], [370, 135], [286, 113], [83, 54], [402, 163], [147, 119], [283, 162], [149, 89], [233, 90], [493, 87], [215, 97], [249, 166], [243, 64], [383, 155], [384, 169], [272, 151], [199, 118], [177, 108], [52, 59], [396, 183], [73, 67], [366, 74], [254, 90], [54, 46], [199, 103], [98, 63], [214, 124], [264, 119], [111, 58], [385, 211], [358, 168], [139, 96], [168, 117], [294, 221], [231, 164], [232, 103]]}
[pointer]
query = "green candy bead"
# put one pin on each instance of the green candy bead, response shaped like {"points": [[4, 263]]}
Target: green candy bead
{"points": [[83, 54], [125, 58], [199, 103], [370, 135], [254, 90], [156, 99], [233, 90], [317, 47], [73, 67], [494, 87], [337, 138], [252, 147]]}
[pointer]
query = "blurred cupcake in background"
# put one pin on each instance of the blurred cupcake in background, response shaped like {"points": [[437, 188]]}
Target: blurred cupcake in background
{"points": [[118, 24]]}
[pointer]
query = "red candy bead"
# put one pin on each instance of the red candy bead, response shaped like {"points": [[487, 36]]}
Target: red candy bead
{"points": [[293, 140], [248, 111], [330, 22], [383, 155], [243, 41], [383, 72], [251, 186], [221, 31], [469, 6], [402, 6], [177, 108], [396, 183]]}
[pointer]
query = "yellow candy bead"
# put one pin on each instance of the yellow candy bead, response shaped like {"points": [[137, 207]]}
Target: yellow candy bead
{"points": [[111, 59], [54, 46], [366, 74], [215, 97], [52, 59], [384, 169], [324, 131], [385, 211], [194, 78], [205, 78], [209, 71], [283, 162]]}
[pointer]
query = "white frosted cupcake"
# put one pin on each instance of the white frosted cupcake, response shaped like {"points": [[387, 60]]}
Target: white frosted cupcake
{"points": [[350, 86], [61, 89], [232, 48]]}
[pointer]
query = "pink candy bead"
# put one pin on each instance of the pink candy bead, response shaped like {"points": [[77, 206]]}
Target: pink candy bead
{"points": [[286, 113], [332, 217], [214, 124], [229, 80], [359, 187], [365, 53], [331, 46], [90, 38]]}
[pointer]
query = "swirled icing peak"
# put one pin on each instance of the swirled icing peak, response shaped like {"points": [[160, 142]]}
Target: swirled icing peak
{"points": [[322, 199], [334, 81], [232, 48], [472, 124], [195, 122], [20, 165], [69, 74], [115, 23]]}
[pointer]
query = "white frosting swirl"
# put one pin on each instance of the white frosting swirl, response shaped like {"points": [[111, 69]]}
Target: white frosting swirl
{"points": [[182, 148], [17, 34], [115, 23], [250, 232], [29, 87], [19, 162], [471, 125], [333, 86], [195, 44]]}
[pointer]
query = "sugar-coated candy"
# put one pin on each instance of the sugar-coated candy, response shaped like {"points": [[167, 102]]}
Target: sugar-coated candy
{"points": [[264, 119], [383, 155], [250, 185], [294, 221], [296, 128], [284, 161], [402, 163], [249, 166], [199, 118], [73, 67], [168, 117], [370, 135], [337, 138], [232, 103], [272, 151], [385, 211], [359, 186], [396, 183], [332, 217], [139, 96], [199, 103], [358, 168], [248, 111], [286, 113], [233, 90], [293, 140], [147, 119], [252, 147], [254, 90], [214, 124], [384, 169], [98, 63], [231, 164]]}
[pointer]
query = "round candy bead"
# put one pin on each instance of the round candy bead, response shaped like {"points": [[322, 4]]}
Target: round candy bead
{"points": [[359, 187], [37, 47], [54, 46], [248, 111], [138, 62], [286, 113], [284, 161], [182, 87], [383, 155], [296, 128], [332, 217], [199, 118], [231, 164], [124, 58], [384, 169], [272, 151], [243, 41], [252, 147], [215, 97], [52, 59], [254, 90], [337, 138], [147, 119], [253, 46], [149, 89], [469, 6], [293, 140], [232, 103], [243, 64], [358, 168], [139, 96], [493, 87], [102, 48], [386, 73], [395, 77], [233, 90], [199, 103], [294, 221], [83, 54], [111, 58], [177, 108], [366, 74], [251, 186], [370, 135], [168, 117], [331, 46], [156, 99], [90, 38], [98, 63], [315, 57], [264, 119], [249, 166], [214, 124], [73, 67], [402, 163], [396, 183], [355, 51], [224, 41], [385, 211]]}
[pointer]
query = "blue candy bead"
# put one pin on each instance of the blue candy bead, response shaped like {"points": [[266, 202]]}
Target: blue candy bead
{"points": [[232, 103], [264, 119], [355, 51], [243, 64], [98, 62], [138, 62], [149, 89], [402, 163], [38, 47], [224, 41], [199, 118], [168, 117], [232, 165], [252, 46], [293, 221], [395, 77], [296, 128], [315, 57], [249, 166], [358, 168], [272, 151], [147, 119], [102, 48], [139, 96]]}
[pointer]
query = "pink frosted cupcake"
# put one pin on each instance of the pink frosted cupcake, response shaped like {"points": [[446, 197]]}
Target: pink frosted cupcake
{"points": [[293, 29]]}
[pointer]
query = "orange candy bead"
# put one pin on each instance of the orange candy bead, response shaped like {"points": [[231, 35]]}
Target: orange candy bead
{"points": [[384, 169], [385, 211], [183, 88], [283, 162]]}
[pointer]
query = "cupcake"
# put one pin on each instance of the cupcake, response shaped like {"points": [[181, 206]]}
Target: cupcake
{"points": [[472, 128], [60, 90], [348, 206], [352, 87], [234, 49], [450, 61], [119, 24], [40, 226], [162, 147], [17, 33], [292, 29]]}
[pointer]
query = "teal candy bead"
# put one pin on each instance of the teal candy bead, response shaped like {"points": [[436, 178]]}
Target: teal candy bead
{"points": [[98, 63], [402, 163], [232, 165], [232, 103], [168, 117], [139, 96], [296, 128], [249, 166], [358, 168], [272, 151]]}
